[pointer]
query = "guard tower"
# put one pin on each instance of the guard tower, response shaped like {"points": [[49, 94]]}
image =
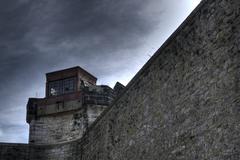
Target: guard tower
{"points": [[72, 102]]}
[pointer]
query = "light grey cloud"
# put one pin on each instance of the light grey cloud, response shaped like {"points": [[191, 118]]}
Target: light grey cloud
{"points": [[13, 133]]}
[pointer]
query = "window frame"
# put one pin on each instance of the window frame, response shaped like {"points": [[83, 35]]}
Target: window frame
{"points": [[60, 85]]}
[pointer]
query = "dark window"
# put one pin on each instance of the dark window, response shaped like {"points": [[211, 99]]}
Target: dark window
{"points": [[62, 86], [69, 85], [55, 88]]}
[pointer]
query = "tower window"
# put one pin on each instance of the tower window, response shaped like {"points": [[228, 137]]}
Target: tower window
{"points": [[63, 86], [55, 88], [69, 85]]}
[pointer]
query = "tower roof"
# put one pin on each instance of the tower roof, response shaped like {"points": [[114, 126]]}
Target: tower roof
{"points": [[60, 74]]}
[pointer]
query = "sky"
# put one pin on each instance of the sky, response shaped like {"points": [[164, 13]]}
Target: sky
{"points": [[111, 39]]}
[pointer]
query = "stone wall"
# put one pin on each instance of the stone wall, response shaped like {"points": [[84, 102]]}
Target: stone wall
{"points": [[14, 151], [65, 151], [63, 127], [184, 103], [58, 128], [61, 151]]}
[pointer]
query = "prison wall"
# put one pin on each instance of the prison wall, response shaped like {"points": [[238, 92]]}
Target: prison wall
{"points": [[184, 103]]}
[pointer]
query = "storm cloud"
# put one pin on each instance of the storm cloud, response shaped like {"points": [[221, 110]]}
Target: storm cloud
{"points": [[111, 39]]}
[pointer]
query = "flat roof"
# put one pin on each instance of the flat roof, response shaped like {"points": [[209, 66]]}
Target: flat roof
{"points": [[70, 69]]}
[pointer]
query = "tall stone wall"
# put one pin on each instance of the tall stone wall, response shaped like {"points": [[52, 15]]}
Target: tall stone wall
{"points": [[184, 103]]}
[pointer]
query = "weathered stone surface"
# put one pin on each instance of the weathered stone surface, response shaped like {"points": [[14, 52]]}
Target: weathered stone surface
{"points": [[55, 129], [67, 120], [183, 104], [14, 151]]}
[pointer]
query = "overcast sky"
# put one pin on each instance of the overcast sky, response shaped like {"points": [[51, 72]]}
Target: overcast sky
{"points": [[112, 39]]}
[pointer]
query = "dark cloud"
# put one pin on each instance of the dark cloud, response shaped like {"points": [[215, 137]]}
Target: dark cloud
{"points": [[43, 34], [36, 37]]}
